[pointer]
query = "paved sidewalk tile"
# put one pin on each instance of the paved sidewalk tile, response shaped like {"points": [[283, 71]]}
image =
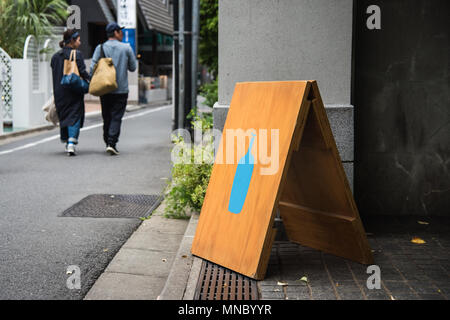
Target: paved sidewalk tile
{"points": [[141, 262], [408, 270], [161, 224], [154, 241], [116, 286], [141, 267]]}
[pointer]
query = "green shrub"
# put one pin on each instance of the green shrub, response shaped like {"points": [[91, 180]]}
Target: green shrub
{"points": [[186, 191], [20, 18], [211, 93]]}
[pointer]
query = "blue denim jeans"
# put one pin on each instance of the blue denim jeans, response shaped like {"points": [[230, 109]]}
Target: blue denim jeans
{"points": [[70, 134]]}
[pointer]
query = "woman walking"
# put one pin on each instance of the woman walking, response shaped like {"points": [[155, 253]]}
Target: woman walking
{"points": [[69, 104]]}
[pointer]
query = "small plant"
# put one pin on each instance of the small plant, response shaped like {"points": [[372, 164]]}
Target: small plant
{"points": [[186, 191], [211, 93]]}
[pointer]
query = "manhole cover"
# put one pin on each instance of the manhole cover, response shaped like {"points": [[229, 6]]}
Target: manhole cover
{"points": [[218, 283], [114, 206]]}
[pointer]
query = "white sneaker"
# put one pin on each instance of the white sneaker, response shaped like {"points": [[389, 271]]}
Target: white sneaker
{"points": [[112, 150], [70, 149]]}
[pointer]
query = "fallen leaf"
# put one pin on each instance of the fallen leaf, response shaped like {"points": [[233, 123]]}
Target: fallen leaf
{"points": [[418, 240], [422, 222], [184, 256], [105, 250], [280, 283]]}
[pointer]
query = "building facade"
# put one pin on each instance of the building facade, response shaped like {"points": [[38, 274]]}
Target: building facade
{"points": [[154, 31], [382, 68]]}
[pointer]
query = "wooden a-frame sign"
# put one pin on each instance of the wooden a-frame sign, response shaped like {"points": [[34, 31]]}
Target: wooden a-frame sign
{"points": [[235, 228]]}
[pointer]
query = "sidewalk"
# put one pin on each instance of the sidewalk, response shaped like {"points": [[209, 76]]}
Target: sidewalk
{"points": [[408, 270], [91, 107], [140, 269]]}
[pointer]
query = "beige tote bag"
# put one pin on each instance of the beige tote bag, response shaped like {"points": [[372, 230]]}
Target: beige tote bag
{"points": [[70, 66], [104, 78]]}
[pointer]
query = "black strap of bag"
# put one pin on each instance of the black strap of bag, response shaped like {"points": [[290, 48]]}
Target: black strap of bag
{"points": [[102, 52]]}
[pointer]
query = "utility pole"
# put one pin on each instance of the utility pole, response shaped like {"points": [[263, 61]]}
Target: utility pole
{"points": [[187, 61], [195, 36], [181, 65], [175, 71], [186, 30]]}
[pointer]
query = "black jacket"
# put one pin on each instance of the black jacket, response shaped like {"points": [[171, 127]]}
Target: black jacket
{"points": [[69, 104]]}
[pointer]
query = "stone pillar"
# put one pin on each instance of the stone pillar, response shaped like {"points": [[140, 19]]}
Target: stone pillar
{"points": [[272, 40]]}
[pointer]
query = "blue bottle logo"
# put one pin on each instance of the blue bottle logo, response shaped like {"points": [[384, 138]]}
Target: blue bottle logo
{"points": [[241, 182]]}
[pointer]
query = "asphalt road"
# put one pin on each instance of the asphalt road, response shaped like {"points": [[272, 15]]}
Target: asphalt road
{"points": [[38, 182]]}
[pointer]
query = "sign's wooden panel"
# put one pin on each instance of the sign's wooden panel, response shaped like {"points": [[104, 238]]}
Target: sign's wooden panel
{"points": [[274, 133], [317, 205]]}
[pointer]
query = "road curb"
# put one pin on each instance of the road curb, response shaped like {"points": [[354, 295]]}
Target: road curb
{"points": [[183, 276], [8, 135]]}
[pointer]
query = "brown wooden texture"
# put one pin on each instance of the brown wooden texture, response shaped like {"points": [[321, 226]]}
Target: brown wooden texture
{"points": [[317, 199], [317, 206]]}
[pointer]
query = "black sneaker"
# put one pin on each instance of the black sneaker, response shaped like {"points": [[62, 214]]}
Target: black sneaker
{"points": [[112, 150]]}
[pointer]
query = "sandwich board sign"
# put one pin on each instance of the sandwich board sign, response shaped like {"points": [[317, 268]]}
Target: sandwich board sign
{"points": [[277, 151]]}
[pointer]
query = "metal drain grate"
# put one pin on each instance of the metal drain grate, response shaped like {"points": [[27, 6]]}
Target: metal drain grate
{"points": [[114, 206], [218, 283]]}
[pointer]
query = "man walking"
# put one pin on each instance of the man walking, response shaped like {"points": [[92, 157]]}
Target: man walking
{"points": [[114, 103]]}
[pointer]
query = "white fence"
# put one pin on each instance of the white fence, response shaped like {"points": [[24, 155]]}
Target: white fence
{"points": [[32, 82], [5, 88]]}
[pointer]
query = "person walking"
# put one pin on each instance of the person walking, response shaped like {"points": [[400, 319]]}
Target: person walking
{"points": [[114, 103], [69, 104]]}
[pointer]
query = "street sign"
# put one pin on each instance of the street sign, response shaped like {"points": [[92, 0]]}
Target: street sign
{"points": [[287, 160], [129, 36], [126, 13], [127, 17]]}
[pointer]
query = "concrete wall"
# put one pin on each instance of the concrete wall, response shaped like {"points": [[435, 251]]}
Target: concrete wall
{"points": [[402, 96], [28, 103], [156, 95], [267, 40], [286, 40]]}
